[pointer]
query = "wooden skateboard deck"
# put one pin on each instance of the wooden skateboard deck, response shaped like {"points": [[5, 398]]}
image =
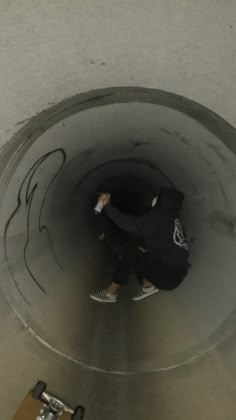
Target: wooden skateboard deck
{"points": [[39, 404], [30, 410]]}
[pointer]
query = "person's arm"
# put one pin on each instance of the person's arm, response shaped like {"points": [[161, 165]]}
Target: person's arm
{"points": [[124, 221]]}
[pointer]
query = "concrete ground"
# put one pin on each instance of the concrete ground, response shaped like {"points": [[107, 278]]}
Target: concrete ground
{"points": [[160, 102]]}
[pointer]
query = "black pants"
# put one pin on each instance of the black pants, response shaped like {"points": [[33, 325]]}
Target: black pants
{"points": [[145, 266], [115, 238]]}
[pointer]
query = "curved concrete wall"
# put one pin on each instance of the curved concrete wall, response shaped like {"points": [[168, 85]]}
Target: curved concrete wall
{"points": [[172, 356]]}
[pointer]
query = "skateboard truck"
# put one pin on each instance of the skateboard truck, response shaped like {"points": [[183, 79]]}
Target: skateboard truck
{"points": [[53, 408]]}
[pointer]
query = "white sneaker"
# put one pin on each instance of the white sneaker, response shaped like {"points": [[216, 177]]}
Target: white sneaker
{"points": [[104, 297], [145, 292]]}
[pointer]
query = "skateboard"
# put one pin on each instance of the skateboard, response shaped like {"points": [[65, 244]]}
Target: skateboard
{"points": [[40, 405]]}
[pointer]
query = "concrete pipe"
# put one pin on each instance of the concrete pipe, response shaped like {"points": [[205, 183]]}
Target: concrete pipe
{"points": [[72, 120], [171, 356]]}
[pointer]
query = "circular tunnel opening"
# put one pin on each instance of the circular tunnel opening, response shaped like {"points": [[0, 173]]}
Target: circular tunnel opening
{"points": [[61, 160]]}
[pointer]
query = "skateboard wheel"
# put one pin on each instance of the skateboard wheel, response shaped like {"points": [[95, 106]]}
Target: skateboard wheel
{"points": [[79, 413], [38, 390]]}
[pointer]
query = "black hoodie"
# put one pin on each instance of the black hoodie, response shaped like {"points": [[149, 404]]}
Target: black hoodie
{"points": [[161, 230]]}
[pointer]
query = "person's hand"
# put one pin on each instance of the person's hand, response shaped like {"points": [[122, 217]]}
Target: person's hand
{"points": [[105, 198]]}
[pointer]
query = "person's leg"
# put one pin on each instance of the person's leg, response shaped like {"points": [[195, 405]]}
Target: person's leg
{"points": [[146, 291], [120, 277], [160, 276], [113, 288], [147, 283], [141, 264], [142, 269]]}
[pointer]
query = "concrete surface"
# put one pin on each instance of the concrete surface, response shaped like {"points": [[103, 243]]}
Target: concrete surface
{"points": [[174, 356]]}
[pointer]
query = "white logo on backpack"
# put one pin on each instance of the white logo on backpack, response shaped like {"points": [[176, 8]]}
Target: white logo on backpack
{"points": [[179, 236]]}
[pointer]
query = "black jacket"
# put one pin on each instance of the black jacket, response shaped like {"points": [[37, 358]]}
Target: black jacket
{"points": [[161, 230]]}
